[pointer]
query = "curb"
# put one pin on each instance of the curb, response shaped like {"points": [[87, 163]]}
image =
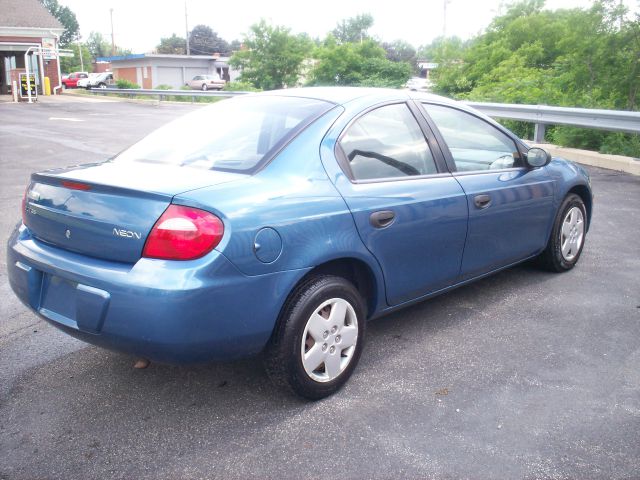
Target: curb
{"points": [[594, 159]]}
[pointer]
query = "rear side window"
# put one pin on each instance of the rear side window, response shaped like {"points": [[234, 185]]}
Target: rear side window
{"points": [[474, 144], [232, 135], [386, 143]]}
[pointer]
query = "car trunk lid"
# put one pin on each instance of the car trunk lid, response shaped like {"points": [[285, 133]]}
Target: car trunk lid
{"points": [[107, 210]]}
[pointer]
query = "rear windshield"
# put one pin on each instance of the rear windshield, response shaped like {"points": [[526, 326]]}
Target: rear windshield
{"points": [[234, 135]]}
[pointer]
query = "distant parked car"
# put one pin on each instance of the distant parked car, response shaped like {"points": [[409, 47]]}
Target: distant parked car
{"points": [[101, 80], [71, 80], [418, 84], [84, 82], [206, 82]]}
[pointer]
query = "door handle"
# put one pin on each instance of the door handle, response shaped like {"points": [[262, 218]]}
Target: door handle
{"points": [[482, 201], [382, 219]]}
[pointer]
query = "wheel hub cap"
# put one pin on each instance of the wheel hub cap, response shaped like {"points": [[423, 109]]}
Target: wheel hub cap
{"points": [[329, 340], [572, 233]]}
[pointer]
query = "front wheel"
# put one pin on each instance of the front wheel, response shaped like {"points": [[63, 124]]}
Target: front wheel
{"points": [[102, 85], [319, 338], [567, 237], [204, 87]]}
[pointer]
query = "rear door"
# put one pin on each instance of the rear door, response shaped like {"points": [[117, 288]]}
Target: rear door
{"points": [[409, 211], [510, 205]]}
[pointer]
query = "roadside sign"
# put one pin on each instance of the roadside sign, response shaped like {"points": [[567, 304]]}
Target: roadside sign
{"points": [[48, 48], [25, 87]]}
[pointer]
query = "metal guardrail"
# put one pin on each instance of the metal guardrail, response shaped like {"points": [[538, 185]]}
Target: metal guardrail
{"points": [[540, 115], [543, 115], [161, 94]]}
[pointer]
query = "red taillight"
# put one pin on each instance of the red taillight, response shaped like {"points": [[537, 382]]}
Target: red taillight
{"points": [[24, 206], [76, 185], [183, 233]]}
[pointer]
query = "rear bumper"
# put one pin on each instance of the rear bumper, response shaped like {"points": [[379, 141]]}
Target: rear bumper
{"points": [[167, 311]]}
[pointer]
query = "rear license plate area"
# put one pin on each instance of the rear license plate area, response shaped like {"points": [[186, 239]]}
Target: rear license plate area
{"points": [[59, 296]]}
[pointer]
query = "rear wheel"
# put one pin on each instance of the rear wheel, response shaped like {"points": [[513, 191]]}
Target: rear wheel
{"points": [[319, 339], [204, 87], [567, 237]]}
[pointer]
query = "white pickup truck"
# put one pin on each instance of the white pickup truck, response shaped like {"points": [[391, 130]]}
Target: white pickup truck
{"points": [[97, 80]]}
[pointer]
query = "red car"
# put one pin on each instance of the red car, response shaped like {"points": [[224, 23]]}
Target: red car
{"points": [[71, 80]]}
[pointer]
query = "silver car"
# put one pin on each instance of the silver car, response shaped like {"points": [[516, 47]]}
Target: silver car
{"points": [[101, 80], [206, 82]]}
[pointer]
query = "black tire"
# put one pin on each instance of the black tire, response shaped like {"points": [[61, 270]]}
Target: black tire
{"points": [[553, 258], [204, 87], [102, 85], [283, 357]]}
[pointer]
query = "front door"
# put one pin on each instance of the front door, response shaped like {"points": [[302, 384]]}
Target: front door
{"points": [[410, 214], [510, 205]]}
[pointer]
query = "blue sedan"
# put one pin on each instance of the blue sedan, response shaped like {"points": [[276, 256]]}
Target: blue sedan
{"points": [[281, 222]]}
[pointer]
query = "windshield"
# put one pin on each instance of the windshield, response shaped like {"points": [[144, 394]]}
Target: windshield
{"points": [[234, 135]]}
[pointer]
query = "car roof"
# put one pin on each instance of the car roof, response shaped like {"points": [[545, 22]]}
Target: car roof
{"points": [[344, 95], [354, 99]]}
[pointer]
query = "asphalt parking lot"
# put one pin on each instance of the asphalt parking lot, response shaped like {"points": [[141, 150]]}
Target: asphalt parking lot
{"points": [[526, 374]]}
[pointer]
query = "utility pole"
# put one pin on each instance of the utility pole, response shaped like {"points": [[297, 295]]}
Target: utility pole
{"points": [[621, 8], [113, 42], [186, 26], [80, 53], [444, 21]]}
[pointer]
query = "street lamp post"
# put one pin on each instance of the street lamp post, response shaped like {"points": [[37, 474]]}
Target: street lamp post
{"points": [[113, 41], [186, 25]]}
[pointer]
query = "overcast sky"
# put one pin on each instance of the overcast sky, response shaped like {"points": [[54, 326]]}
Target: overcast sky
{"points": [[139, 24]]}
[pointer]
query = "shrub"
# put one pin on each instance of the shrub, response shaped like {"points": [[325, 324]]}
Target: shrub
{"points": [[124, 83], [240, 87]]}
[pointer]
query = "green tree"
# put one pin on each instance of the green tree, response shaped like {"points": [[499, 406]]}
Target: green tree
{"points": [[442, 50], [172, 45], [235, 45], [204, 41], [73, 64], [272, 56], [582, 57], [98, 46], [400, 51], [353, 29], [363, 64], [67, 18]]}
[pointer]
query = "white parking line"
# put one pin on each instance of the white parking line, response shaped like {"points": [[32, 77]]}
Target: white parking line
{"points": [[66, 119]]}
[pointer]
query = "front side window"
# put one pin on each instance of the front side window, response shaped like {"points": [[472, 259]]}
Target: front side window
{"points": [[474, 144], [385, 143], [231, 135]]}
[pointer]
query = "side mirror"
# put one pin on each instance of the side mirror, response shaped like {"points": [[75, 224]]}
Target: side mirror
{"points": [[537, 157]]}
